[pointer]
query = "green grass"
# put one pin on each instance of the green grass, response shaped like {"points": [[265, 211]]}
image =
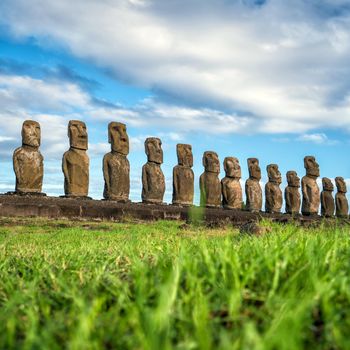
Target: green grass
{"points": [[165, 286]]}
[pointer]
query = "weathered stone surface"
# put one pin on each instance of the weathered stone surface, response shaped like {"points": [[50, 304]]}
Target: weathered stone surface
{"points": [[75, 162], [76, 209], [341, 202], [327, 200], [273, 193], [116, 167], [230, 185], [153, 181], [310, 189], [209, 182], [292, 193], [28, 163], [252, 186], [183, 176]]}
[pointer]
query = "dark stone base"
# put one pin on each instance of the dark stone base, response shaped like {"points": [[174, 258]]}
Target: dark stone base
{"points": [[83, 209], [117, 200], [30, 194], [69, 196], [152, 202], [184, 205]]}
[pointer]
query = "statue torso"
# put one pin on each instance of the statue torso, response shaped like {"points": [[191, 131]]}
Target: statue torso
{"points": [[29, 169], [232, 193]]}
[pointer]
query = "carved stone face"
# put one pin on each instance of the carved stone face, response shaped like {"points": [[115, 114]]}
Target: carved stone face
{"points": [[77, 134], [232, 167], [274, 174], [293, 179], [254, 168], [31, 135], [118, 138], [327, 184], [341, 185], [153, 149], [211, 162], [184, 155], [311, 166]]}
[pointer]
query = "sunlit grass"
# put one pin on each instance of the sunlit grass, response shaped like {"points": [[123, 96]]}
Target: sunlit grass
{"points": [[164, 286]]}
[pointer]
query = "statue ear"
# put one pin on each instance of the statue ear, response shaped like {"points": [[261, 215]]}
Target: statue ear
{"points": [[146, 148], [109, 136]]}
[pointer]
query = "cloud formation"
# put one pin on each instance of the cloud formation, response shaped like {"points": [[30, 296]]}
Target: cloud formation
{"points": [[54, 102], [266, 66], [318, 138]]}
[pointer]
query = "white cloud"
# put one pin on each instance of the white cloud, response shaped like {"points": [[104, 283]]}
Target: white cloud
{"points": [[6, 138], [24, 97], [318, 138], [285, 66], [35, 94], [99, 149]]}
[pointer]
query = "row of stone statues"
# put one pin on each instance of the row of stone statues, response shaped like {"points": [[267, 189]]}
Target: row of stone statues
{"points": [[29, 170]]}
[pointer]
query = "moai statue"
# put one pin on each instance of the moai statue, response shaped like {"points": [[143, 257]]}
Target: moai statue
{"points": [[273, 193], [341, 202], [183, 176], [28, 163], [75, 162], [292, 193], [327, 200], [153, 181], [116, 167], [252, 186], [310, 189], [209, 183], [230, 184]]}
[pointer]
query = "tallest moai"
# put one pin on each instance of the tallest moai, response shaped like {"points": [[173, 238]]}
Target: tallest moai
{"points": [[116, 167], [310, 189], [75, 162]]}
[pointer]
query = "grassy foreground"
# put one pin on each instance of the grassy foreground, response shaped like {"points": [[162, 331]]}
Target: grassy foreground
{"points": [[162, 286]]}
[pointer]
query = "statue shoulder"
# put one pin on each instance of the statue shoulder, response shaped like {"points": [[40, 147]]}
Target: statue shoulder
{"points": [[17, 151]]}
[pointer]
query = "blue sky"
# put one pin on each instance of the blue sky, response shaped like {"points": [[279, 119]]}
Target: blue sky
{"points": [[267, 79]]}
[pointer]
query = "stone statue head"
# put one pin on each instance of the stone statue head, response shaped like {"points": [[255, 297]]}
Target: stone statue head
{"points": [[254, 168], [341, 185], [31, 135], [184, 155], [153, 149], [311, 166], [232, 167], [274, 173], [211, 162], [118, 138], [77, 134], [293, 179], [327, 184]]}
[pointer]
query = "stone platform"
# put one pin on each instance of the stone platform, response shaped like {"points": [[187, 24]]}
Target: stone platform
{"points": [[84, 209]]}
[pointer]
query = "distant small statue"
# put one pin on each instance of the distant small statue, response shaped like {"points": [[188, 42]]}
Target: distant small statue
{"points": [[273, 193], [116, 167], [311, 191], [341, 202], [230, 184], [75, 162], [292, 193], [183, 176], [252, 186], [28, 163], [153, 181], [209, 183], [327, 200]]}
